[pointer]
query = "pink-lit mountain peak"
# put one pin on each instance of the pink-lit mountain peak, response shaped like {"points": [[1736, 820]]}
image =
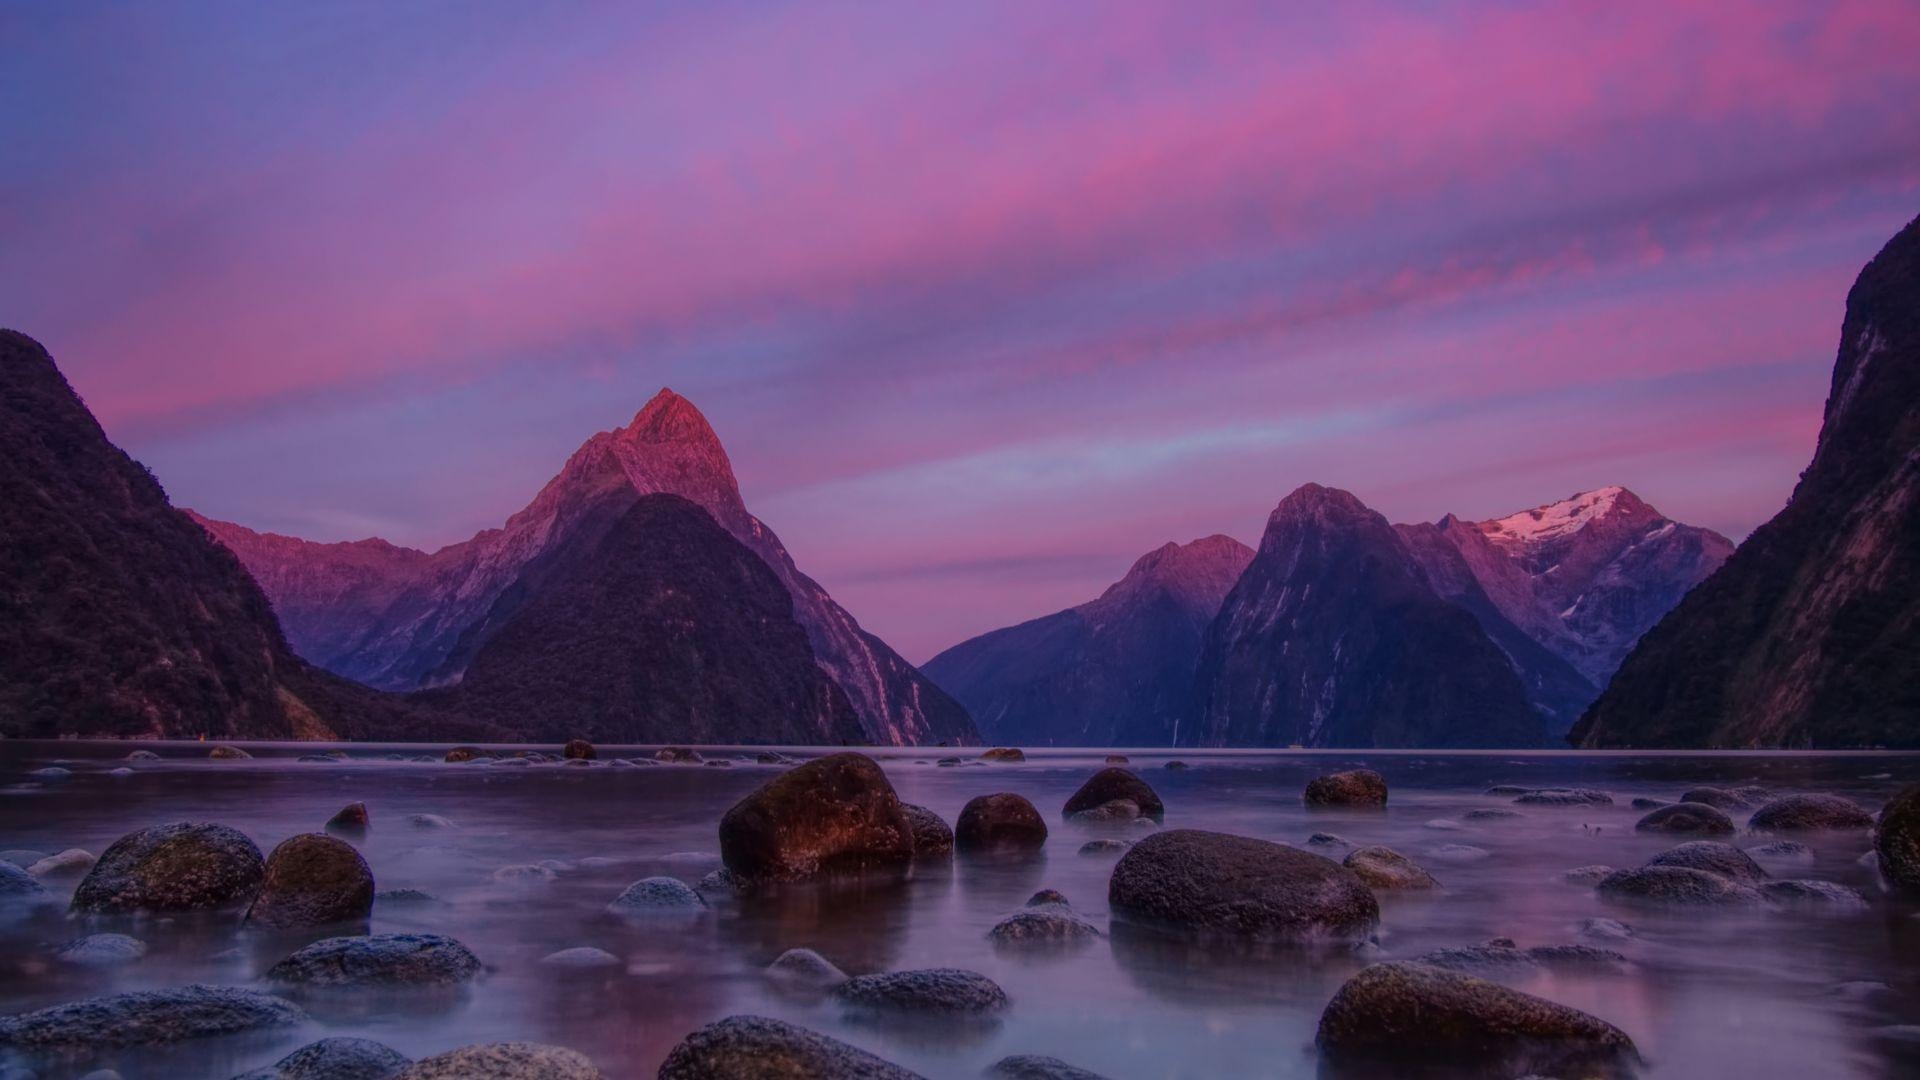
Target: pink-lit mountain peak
{"points": [[1197, 574], [1559, 520]]}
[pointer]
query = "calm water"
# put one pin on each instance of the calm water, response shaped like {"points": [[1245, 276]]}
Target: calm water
{"points": [[1721, 994]]}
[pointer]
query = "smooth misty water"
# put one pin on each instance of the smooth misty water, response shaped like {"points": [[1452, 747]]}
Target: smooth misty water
{"points": [[1715, 994]]}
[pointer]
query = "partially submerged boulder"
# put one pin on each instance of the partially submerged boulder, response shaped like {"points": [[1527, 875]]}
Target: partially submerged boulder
{"points": [[1807, 892], [930, 991], [1717, 797], [172, 868], [313, 880], [1686, 817], [228, 753], [1403, 1015], [1047, 925], [101, 951], [379, 959], [1213, 885], [1113, 783], [1355, 787], [503, 1061], [833, 815], [1000, 824], [1713, 857], [1897, 843], [1385, 868], [1003, 753], [758, 1048], [149, 1016], [932, 837], [579, 750], [351, 820], [1675, 886], [1809, 813], [804, 969], [335, 1059], [657, 897], [1564, 797], [678, 755], [1038, 1067]]}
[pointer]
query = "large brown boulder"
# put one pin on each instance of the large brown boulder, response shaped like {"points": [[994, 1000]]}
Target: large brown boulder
{"points": [[313, 880], [1111, 784], [1213, 885], [834, 815], [1808, 813], [1411, 1016], [179, 867], [1356, 787], [999, 824], [742, 1047], [1898, 840]]}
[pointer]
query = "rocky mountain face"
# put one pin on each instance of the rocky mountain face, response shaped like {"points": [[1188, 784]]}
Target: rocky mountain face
{"points": [[1334, 636], [405, 620], [1810, 634], [649, 622], [119, 617], [1115, 671]]}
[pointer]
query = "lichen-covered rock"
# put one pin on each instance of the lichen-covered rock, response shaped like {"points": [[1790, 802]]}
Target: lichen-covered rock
{"points": [[1038, 1067], [1807, 813], [1564, 797], [1897, 843], [932, 837], [351, 820], [658, 897], [313, 880], [379, 959], [757, 1048], [1113, 783], [1696, 818], [503, 1061], [1713, 857], [1408, 1014], [831, 816], [101, 950], [942, 991], [335, 1059], [1675, 886], [999, 824], [1213, 885], [1355, 787], [178, 867], [1385, 868], [804, 969], [1808, 892], [1003, 753], [149, 1016]]}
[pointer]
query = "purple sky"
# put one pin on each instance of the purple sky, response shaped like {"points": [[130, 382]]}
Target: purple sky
{"points": [[984, 300]]}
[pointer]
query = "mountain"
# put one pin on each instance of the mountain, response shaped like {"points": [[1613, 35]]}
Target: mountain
{"points": [[404, 620], [119, 617], [1335, 637], [1810, 634], [651, 623], [1115, 671]]}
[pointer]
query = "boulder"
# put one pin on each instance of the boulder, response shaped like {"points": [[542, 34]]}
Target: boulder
{"points": [[833, 815], [1675, 886], [467, 753], [21, 857], [101, 951], [677, 755], [503, 1061], [1049, 925], [1587, 875], [352, 820], [579, 750], [143, 755], [1038, 1067], [1806, 813], [1213, 885], [1564, 797], [149, 1016], [1046, 898], [335, 1059], [1414, 1016], [379, 959], [1897, 843], [228, 753], [938, 991], [1698, 818], [17, 886], [1716, 797], [1105, 847], [581, 958], [1811, 893], [1111, 812], [1782, 851], [658, 897], [1643, 803], [757, 1048], [51, 772], [1113, 783], [1713, 857], [1605, 930], [932, 838], [404, 898], [1385, 868], [1328, 840], [1003, 753], [1356, 787], [999, 824], [1117, 759], [804, 969], [313, 880], [167, 868], [64, 866]]}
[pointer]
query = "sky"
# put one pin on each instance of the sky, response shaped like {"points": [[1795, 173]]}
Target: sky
{"points": [[984, 299]]}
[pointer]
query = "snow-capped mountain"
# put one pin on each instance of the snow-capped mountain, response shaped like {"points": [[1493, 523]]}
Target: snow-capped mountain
{"points": [[1115, 671], [399, 619]]}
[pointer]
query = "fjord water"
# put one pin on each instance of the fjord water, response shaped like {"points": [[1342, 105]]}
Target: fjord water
{"points": [[1722, 993]]}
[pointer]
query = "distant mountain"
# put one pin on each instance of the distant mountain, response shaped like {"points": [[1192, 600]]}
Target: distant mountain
{"points": [[651, 623], [1810, 634], [402, 620], [1335, 637], [1115, 671], [119, 617]]}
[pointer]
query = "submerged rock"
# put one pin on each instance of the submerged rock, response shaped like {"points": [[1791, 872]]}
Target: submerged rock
{"points": [[1177, 766], [677, 755], [1385, 868], [228, 753], [581, 958], [379, 959], [503, 1061], [1782, 851], [657, 897], [525, 874], [1716, 797], [1113, 811], [757, 1048], [1686, 818], [1644, 803], [932, 838], [21, 857], [18, 886], [1215, 885], [1564, 797], [944, 991], [1328, 840], [1114, 783], [64, 866], [1713, 857], [579, 750], [1047, 897], [429, 821], [1897, 843], [1675, 886], [999, 824], [313, 880], [178, 867], [1491, 813], [1049, 925], [1587, 875], [404, 898], [335, 1059], [1805, 813], [1811, 893], [1355, 787], [149, 1016], [351, 820], [1003, 753], [804, 969], [1416, 1015], [833, 815], [143, 755], [467, 753], [1605, 930], [102, 950], [1038, 1067], [1105, 847]]}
